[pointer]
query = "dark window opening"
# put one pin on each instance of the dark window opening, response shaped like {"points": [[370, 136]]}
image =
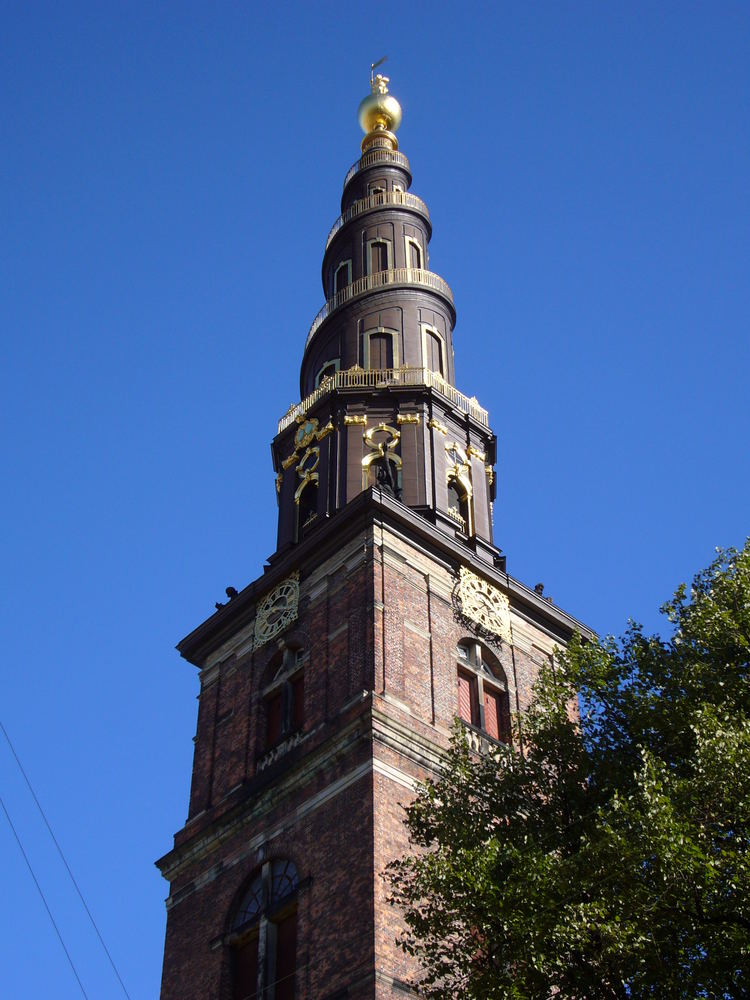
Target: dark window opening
{"points": [[264, 955], [386, 475], [245, 972], [307, 509], [285, 703], [434, 346], [378, 256], [341, 277], [273, 719], [415, 255], [458, 505], [327, 371], [298, 702], [286, 954]]}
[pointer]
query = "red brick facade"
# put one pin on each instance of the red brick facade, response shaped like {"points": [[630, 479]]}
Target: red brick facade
{"points": [[375, 636]]}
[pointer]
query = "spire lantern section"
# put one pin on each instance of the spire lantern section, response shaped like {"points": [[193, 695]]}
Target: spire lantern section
{"points": [[379, 404]]}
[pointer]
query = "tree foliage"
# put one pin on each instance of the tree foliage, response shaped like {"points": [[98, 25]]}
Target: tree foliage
{"points": [[606, 859]]}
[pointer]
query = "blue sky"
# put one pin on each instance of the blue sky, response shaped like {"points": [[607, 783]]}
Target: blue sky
{"points": [[169, 175]]}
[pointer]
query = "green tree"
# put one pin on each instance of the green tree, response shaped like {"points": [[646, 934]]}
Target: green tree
{"points": [[607, 858]]}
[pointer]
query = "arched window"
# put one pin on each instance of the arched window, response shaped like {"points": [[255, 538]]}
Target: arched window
{"points": [[386, 474], [342, 276], [306, 494], [482, 691], [432, 346], [380, 349], [413, 253], [458, 485], [328, 370], [458, 504], [284, 698], [378, 255], [264, 932], [307, 509]]}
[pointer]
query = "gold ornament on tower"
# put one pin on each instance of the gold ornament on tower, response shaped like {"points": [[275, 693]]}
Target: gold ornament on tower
{"points": [[379, 113]]}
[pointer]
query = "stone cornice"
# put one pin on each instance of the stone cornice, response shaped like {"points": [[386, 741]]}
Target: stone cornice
{"points": [[374, 507]]}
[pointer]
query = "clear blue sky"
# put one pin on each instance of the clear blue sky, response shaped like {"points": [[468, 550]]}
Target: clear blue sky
{"points": [[169, 174]]}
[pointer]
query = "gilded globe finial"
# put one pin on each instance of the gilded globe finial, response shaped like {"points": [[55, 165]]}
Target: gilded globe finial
{"points": [[379, 112]]}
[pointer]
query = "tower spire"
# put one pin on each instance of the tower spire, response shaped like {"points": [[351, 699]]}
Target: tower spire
{"points": [[329, 685]]}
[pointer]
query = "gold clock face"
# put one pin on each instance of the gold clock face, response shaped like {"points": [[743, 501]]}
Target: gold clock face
{"points": [[277, 610], [484, 604]]}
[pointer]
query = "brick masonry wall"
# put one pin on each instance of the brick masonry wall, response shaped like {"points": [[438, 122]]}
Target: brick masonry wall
{"points": [[377, 630]]}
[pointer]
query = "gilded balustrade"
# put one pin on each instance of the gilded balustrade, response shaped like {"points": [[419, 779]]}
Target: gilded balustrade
{"points": [[375, 378], [376, 156], [381, 279], [375, 201]]}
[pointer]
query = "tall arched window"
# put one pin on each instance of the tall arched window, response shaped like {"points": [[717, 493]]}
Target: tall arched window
{"points": [[432, 346], [458, 484], [380, 349], [328, 370], [378, 255], [482, 691], [458, 504], [307, 509], [413, 253], [264, 935], [342, 276], [284, 697]]}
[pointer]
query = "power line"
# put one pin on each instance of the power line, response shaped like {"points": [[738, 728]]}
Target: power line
{"points": [[39, 888], [67, 866]]}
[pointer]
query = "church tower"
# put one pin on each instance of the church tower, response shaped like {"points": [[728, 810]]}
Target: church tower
{"points": [[329, 685]]}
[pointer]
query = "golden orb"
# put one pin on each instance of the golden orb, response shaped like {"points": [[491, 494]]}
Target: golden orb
{"points": [[379, 111]]}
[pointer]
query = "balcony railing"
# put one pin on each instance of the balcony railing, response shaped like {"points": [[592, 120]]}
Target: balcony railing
{"points": [[381, 279], [375, 378], [376, 156], [481, 742], [374, 201]]}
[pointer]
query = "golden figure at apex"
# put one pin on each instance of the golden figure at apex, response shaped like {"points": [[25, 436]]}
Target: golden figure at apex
{"points": [[379, 113]]}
